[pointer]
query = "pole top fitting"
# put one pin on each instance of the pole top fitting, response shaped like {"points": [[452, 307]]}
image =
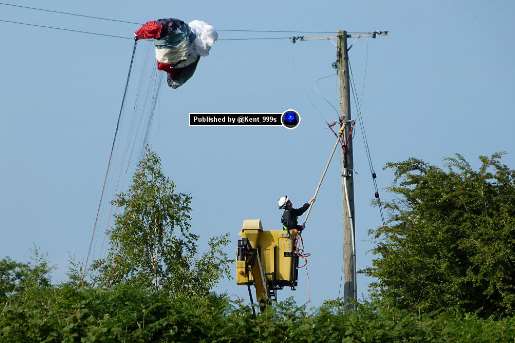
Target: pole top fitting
{"points": [[294, 39], [379, 33]]}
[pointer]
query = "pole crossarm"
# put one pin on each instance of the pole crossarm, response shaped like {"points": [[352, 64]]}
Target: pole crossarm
{"points": [[344, 135], [355, 35], [372, 34]]}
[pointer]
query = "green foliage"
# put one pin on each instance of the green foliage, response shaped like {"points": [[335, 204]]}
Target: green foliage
{"points": [[448, 248], [127, 313], [151, 242], [15, 277], [450, 240]]}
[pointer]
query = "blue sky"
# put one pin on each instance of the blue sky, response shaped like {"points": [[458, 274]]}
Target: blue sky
{"points": [[442, 82]]}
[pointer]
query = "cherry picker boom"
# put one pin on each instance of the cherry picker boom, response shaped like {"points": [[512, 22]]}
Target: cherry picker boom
{"points": [[269, 259], [266, 259]]}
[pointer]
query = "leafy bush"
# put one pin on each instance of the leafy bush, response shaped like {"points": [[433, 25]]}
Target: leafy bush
{"points": [[126, 313], [450, 242], [447, 249], [15, 277]]}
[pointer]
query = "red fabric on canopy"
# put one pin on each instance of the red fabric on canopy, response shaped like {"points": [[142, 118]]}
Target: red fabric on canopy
{"points": [[149, 30]]}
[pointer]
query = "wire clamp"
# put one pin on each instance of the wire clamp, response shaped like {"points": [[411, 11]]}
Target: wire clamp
{"points": [[294, 39]]}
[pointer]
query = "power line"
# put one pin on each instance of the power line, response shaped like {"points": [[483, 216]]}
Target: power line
{"points": [[317, 90], [277, 31], [68, 13], [75, 14], [60, 28], [109, 161], [365, 143], [254, 38]]}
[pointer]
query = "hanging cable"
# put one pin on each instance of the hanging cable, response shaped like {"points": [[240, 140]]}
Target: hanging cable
{"points": [[340, 284], [365, 72], [322, 177], [152, 111], [133, 129], [299, 249], [299, 241], [126, 156], [308, 284], [138, 114], [67, 13], [151, 86], [365, 143], [109, 161], [317, 90], [353, 232], [60, 28]]}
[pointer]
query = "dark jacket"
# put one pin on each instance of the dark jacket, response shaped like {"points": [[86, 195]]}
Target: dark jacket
{"points": [[290, 216]]}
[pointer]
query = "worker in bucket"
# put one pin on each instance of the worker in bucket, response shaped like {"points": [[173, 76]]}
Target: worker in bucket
{"points": [[290, 215]]}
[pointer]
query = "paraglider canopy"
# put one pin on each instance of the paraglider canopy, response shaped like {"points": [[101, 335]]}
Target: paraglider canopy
{"points": [[178, 46]]}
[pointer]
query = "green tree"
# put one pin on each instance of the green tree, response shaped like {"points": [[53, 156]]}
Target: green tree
{"points": [[16, 277], [450, 239], [151, 243]]}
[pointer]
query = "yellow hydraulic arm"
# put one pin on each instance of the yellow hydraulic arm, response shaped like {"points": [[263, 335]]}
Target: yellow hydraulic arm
{"points": [[266, 259]]}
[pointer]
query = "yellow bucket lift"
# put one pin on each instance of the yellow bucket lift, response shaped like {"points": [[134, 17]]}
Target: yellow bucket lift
{"points": [[267, 260]]}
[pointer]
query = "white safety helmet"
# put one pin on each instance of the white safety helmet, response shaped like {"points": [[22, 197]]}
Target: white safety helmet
{"points": [[282, 201]]}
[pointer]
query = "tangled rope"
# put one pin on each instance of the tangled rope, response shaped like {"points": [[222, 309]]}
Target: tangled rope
{"points": [[299, 250]]}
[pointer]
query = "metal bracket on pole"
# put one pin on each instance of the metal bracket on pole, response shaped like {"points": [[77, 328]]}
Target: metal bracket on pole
{"points": [[330, 126], [355, 35], [373, 34], [294, 39]]}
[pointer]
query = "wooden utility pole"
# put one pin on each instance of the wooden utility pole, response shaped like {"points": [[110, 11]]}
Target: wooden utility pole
{"points": [[349, 253], [346, 123]]}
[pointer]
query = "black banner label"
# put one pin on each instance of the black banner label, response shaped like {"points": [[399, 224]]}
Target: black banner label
{"points": [[235, 119]]}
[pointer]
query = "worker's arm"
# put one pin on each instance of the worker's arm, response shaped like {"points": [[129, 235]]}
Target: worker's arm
{"points": [[299, 211]]}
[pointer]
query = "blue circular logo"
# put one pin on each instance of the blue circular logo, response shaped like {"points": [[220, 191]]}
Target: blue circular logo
{"points": [[290, 119]]}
